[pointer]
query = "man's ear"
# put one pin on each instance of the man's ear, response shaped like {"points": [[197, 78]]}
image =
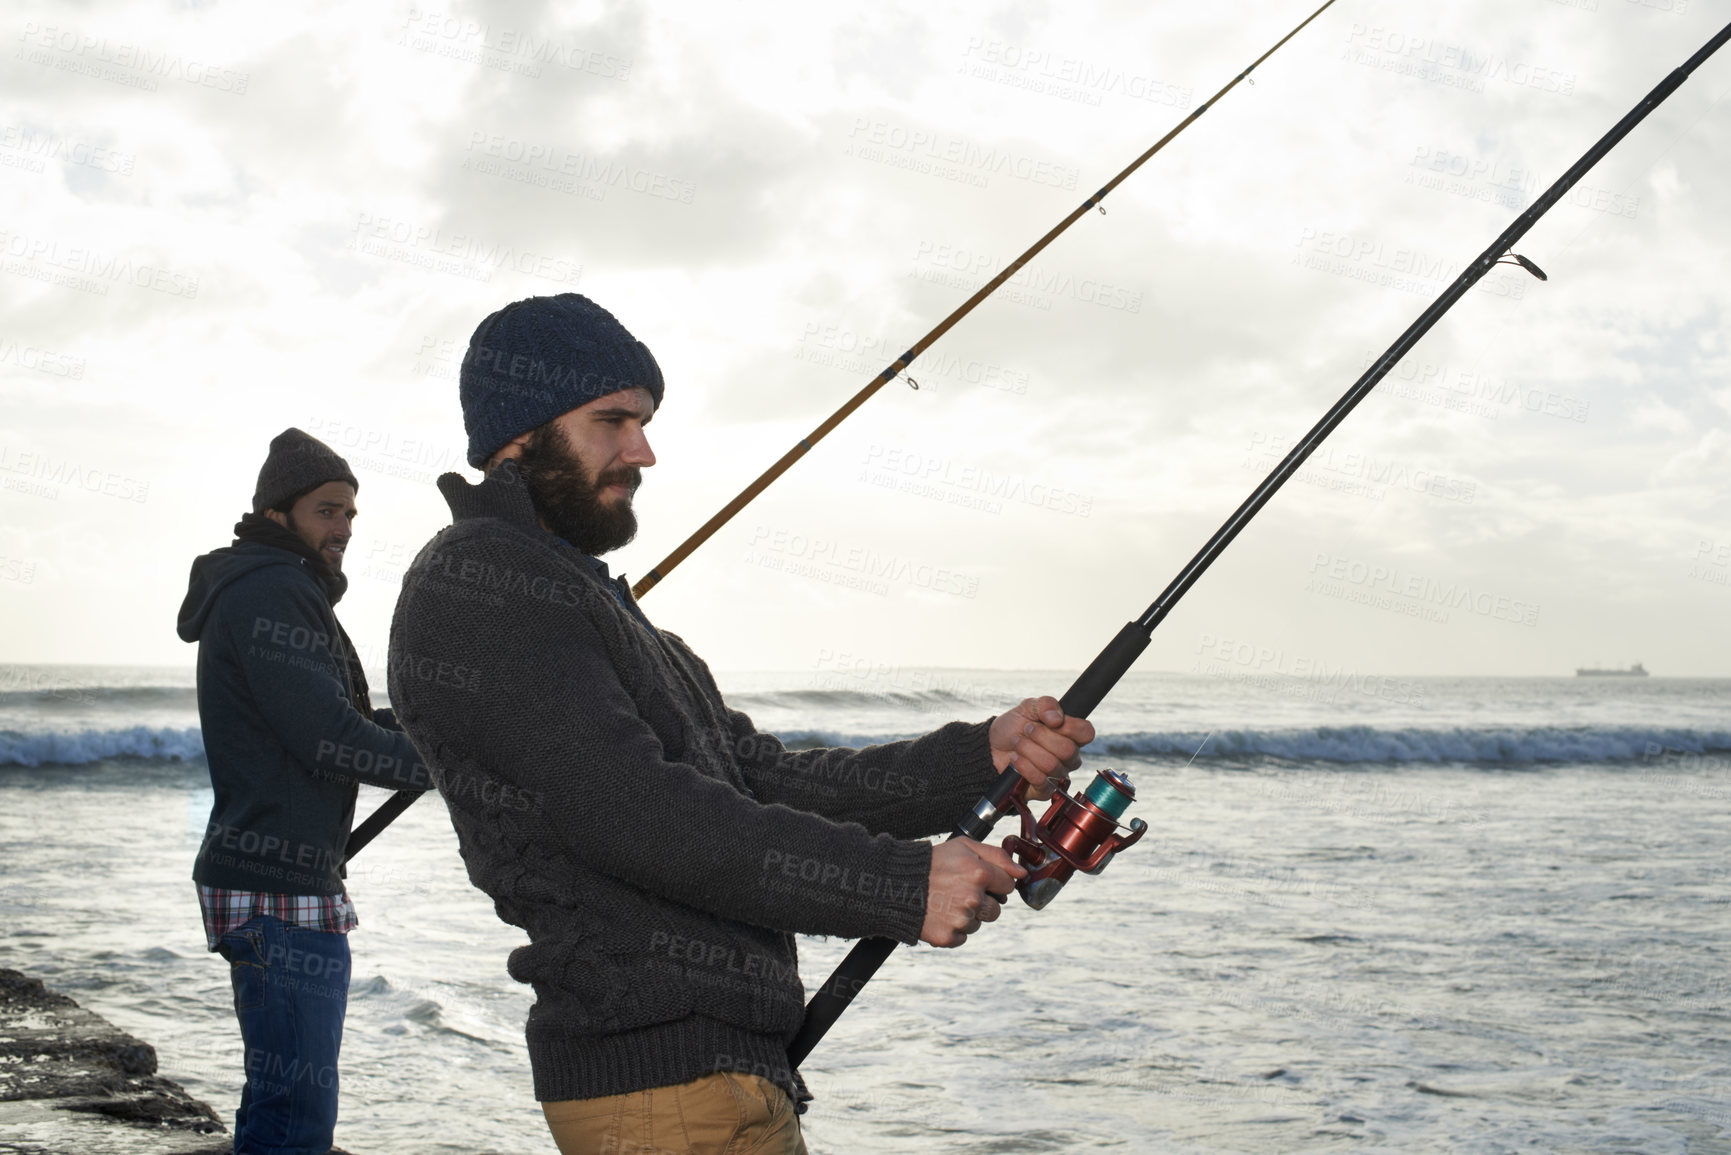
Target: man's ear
{"points": [[277, 516], [509, 451]]}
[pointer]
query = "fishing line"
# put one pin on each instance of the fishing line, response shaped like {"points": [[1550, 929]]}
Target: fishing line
{"points": [[1198, 753]]}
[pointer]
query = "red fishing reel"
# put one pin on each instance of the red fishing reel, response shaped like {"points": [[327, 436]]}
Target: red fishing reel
{"points": [[1076, 833]]}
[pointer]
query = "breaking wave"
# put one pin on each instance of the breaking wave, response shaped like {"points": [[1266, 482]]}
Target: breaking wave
{"points": [[78, 748], [1490, 746], [1496, 746]]}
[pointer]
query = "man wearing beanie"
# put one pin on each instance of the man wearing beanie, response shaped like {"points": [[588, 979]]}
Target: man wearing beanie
{"points": [[660, 852], [288, 732]]}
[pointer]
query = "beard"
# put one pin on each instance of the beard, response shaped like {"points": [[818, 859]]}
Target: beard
{"points": [[318, 547], [569, 499]]}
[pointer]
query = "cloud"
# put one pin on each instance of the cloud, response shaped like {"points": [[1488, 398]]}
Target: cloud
{"points": [[219, 225]]}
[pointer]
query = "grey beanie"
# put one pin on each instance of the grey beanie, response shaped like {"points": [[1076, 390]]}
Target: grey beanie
{"points": [[297, 462], [540, 357]]}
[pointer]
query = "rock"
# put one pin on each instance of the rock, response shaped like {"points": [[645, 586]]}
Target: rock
{"points": [[70, 1081]]}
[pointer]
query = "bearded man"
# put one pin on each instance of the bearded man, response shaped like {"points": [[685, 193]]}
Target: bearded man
{"points": [[659, 850], [289, 731]]}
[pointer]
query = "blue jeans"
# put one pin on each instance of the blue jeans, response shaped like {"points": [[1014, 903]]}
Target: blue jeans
{"points": [[291, 988]]}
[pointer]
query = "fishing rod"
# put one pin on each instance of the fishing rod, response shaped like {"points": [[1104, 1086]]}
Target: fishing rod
{"points": [[394, 806], [388, 812], [1084, 833], [805, 444]]}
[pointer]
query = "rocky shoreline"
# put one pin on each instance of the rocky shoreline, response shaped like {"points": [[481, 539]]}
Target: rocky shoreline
{"points": [[72, 1083]]}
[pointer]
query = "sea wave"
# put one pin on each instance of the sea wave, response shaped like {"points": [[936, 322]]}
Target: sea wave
{"points": [[1490, 746], [81, 747], [1496, 746]]}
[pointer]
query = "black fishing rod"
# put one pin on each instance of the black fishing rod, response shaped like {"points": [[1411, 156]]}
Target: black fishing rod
{"points": [[1081, 834], [401, 801], [388, 812]]}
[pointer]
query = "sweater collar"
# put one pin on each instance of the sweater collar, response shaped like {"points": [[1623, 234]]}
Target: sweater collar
{"points": [[501, 494]]}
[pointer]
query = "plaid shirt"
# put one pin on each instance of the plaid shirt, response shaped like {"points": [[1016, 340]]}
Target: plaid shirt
{"points": [[226, 909]]}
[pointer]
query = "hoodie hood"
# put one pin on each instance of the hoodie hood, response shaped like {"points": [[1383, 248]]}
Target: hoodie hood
{"points": [[216, 571]]}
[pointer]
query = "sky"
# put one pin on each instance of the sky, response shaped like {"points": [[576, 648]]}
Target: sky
{"points": [[224, 219]]}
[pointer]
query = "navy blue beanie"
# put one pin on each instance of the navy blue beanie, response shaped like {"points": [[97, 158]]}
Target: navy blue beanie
{"points": [[540, 357]]}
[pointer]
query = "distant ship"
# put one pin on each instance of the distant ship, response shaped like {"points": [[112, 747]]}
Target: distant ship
{"points": [[1635, 671]]}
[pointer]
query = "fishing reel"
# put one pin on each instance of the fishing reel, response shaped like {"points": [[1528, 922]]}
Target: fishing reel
{"points": [[1076, 833]]}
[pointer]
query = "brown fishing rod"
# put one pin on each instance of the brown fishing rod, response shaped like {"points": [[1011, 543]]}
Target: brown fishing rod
{"points": [[394, 806], [891, 371]]}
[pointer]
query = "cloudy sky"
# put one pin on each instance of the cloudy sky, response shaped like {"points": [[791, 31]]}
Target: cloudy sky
{"points": [[222, 219]]}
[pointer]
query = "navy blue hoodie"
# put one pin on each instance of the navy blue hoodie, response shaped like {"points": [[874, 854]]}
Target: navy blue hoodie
{"points": [[284, 729]]}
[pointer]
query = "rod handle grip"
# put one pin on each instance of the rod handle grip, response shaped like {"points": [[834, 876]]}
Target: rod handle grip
{"points": [[1113, 662]]}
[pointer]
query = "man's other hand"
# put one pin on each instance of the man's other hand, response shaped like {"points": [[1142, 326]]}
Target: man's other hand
{"points": [[1041, 742], [965, 874]]}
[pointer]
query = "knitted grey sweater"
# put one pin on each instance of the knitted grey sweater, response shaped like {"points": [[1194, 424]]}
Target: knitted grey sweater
{"points": [[658, 850]]}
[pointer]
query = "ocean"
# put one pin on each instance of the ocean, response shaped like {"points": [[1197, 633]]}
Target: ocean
{"points": [[1370, 914]]}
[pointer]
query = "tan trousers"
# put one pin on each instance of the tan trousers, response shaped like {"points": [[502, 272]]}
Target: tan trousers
{"points": [[726, 1113]]}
